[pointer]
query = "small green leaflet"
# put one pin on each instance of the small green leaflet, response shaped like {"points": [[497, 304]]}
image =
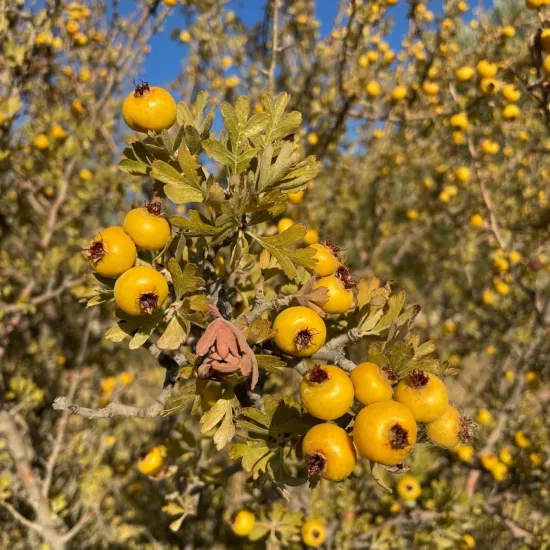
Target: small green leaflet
{"points": [[221, 415], [177, 187], [194, 226]]}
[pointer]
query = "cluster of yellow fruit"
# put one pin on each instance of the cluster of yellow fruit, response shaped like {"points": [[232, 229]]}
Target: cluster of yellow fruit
{"points": [[112, 252], [384, 430], [313, 531]]}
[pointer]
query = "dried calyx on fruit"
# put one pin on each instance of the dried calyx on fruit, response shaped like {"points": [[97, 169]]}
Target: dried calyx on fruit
{"points": [[399, 437], [304, 338], [315, 464], [418, 378], [344, 275], [333, 246], [390, 374], [317, 375], [142, 89]]}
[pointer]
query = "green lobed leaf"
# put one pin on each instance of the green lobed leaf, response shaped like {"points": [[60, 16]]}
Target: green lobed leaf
{"points": [[174, 335], [194, 226], [177, 188]]}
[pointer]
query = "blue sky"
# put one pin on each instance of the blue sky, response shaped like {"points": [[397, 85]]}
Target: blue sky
{"points": [[164, 62], [159, 70]]}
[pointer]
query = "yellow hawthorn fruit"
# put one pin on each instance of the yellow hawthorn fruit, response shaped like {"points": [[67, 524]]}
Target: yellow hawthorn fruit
{"points": [[313, 533], [463, 174], [170, 3], [424, 394], [85, 174], [490, 147], [84, 75], [465, 453], [152, 463], [41, 142], [72, 27], [299, 331], [501, 264], [313, 139], [328, 452], [408, 488], [506, 457], [459, 121], [511, 93], [108, 384], [476, 220], [458, 138], [370, 383], [464, 73], [514, 257], [535, 4], [502, 288], [449, 327], [546, 65], [185, 37], [125, 378], [486, 69], [521, 440], [296, 198], [399, 93], [80, 39], [545, 40], [146, 227], [467, 542], [44, 38], [511, 112], [508, 31], [311, 236], [149, 108], [112, 252], [77, 108], [372, 88], [489, 86], [490, 350], [243, 523], [499, 471], [448, 430], [58, 132], [484, 416], [226, 62], [327, 263], [340, 298], [535, 459], [284, 224], [412, 214], [326, 392], [232, 81], [363, 61], [430, 88], [385, 432], [140, 290]]}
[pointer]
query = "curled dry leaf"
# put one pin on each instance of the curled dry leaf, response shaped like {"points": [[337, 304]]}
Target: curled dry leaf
{"points": [[312, 297], [224, 349]]}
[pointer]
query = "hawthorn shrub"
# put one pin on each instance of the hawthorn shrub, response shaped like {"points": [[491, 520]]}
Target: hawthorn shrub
{"points": [[205, 340]]}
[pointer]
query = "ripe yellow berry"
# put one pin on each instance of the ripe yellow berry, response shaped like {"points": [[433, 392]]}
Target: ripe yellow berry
{"points": [[296, 198], [146, 227], [545, 40], [85, 174], [385, 432], [41, 142], [408, 488], [399, 93], [112, 252], [499, 471], [489, 86], [511, 112], [328, 452], [464, 73], [465, 453], [430, 88], [141, 290], [185, 37], [372, 88], [424, 394], [477, 220], [485, 69], [459, 121], [152, 463], [340, 298], [511, 93], [506, 457], [447, 430], [313, 533], [521, 440], [484, 417], [502, 288], [299, 331], [327, 263], [243, 523], [284, 224], [58, 132], [370, 384], [463, 174], [326, 392], [149, 108], [311, 236], [514, 257], [467, 542]]}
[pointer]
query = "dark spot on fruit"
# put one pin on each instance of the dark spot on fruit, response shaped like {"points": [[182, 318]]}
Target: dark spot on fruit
{"points": [[418, 378], [304, 338], [317, 375], [148, 302], [315, 464]]}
